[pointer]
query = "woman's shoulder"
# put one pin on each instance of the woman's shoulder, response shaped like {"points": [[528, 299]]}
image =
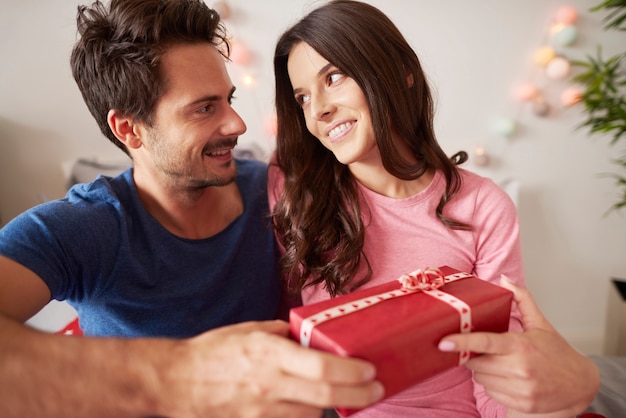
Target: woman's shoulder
{"points": [[483, 191], [474, 182], [275, 181]]}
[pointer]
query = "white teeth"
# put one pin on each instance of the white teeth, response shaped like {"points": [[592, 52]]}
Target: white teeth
{"points": [[339, 129], [224, 152]]}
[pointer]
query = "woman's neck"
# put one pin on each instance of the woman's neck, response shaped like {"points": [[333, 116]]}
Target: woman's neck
{"points": [[377, 179]]}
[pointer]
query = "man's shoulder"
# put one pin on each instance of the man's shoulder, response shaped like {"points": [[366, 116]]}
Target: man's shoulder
{"points": [[252, 182], [245, 166], [103, 189], [251, 173], [102, 199]]}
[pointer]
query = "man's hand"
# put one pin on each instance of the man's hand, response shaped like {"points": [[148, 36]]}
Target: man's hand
{"points": [[251, 369], [535, 371]]}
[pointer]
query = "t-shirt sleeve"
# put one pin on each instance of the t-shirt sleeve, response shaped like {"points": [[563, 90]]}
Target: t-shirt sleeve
{"points": [[63, 242], [497, 238]]}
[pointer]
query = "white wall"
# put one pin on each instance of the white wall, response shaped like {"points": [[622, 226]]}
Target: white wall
{"points": [[474, 53]]}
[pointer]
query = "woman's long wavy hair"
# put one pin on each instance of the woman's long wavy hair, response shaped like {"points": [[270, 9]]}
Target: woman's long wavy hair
{"points": [[318, 216]]}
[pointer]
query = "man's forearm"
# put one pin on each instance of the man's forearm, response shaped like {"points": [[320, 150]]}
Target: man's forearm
{"points": [[59, 376]]}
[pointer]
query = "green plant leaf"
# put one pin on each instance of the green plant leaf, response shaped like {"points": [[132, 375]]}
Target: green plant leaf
{"points": [[604, 93]]}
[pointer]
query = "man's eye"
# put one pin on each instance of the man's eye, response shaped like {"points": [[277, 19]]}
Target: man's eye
{"points": [[230, 99], [206, 109]]}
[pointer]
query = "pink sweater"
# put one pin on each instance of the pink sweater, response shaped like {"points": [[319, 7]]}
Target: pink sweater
{"points": [[403, 235]]}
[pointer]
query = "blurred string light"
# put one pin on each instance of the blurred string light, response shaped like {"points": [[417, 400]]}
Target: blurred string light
{"points": [[555, 65], [223, 9], [550, 64], [241, 57], [481, 158], [248, 80]]}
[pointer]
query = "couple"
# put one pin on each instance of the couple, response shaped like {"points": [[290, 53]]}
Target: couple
{"points": [[174, 264]]}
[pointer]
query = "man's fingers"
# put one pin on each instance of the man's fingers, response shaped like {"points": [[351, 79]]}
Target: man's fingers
{"points": [[260, 363], [323, 379], [325, 395], [295, 360], [532, 318], [277, 327], [317, 365]]}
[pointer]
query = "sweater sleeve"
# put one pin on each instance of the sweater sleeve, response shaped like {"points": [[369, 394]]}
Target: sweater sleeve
{"points": [[498, 249]]}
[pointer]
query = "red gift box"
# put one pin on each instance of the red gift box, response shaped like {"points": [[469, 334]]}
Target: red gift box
{"points": [[398, 326]]}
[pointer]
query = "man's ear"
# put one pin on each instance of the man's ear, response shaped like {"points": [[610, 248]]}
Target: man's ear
{"points": [[125, 129]]}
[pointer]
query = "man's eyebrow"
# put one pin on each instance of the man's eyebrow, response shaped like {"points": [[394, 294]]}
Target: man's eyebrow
{"points": [[211, 98], [320, 73]]}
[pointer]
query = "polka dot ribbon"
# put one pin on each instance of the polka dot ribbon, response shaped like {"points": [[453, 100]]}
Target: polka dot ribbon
{"points": [[427, 281]]}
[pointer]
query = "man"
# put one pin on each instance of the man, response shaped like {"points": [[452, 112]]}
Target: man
{"points": [[174, 247]]}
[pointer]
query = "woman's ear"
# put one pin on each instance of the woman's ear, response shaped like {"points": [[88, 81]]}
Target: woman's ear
{"points": [[124, 128], [410, 80]]}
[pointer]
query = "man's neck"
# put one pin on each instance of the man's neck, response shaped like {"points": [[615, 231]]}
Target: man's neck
{"points": [[192, 214]]}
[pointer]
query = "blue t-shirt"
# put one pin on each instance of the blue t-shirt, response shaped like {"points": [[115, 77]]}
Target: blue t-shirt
{"points": [[126, 275]]}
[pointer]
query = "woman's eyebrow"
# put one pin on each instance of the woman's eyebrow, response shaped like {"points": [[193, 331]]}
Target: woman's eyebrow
{"points": [[320, 73]]}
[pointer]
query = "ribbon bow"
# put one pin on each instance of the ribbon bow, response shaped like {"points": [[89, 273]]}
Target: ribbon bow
{"points": [[428, 279]]}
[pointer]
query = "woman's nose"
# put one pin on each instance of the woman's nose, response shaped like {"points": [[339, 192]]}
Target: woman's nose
{"points": [[321, 106]]}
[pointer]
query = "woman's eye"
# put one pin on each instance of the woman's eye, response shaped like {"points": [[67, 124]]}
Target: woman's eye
{"points": [[303, 99], [335, 77]]}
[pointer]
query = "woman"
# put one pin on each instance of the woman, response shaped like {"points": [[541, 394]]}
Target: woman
{"points": [[362, 192]]}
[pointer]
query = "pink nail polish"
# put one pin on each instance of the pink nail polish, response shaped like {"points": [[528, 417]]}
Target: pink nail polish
{"points": [[445, 345]]}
